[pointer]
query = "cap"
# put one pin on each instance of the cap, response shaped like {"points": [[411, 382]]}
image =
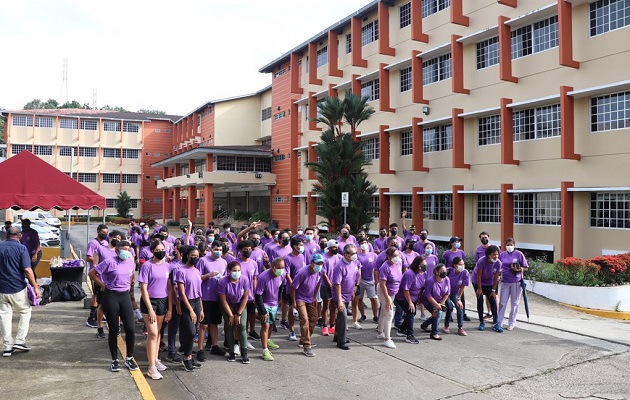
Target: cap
{"points": [[412, 226], [454, 239], [332, 243], [317, 258]]}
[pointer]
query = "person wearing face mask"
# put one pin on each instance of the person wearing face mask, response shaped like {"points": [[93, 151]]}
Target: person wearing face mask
{"points": [[233, 296], [267, 237], [271, 242], [102, 253], [325, 289], [345, 280], [393, 232], [282, 248], [437, 288], [249, 269], [293, 262], [381, 258], [380, 243], [362, 235], [166, 237], [459, 279], [225, 250], [212, 268], [99, 241], [430, 261], [454, 250], [513, 264], [484, 238], [266, 299], [304, 290], [485, 278], [188, 238], [411, 287], [155, 303], [188, 280], [389, 276], [258, 255], [229, 236], [115, 277], [367, 261], [411, 232], [424, 239], [407, 256], [310, 245], [173, 325]]}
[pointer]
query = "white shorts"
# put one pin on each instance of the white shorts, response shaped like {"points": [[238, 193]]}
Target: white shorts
{"points": [[368, 287]]}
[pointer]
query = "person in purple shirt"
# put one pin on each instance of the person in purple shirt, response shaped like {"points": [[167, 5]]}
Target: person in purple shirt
{"points": [[362, 235], [380, 243], [513, 264], [424, 239], [325, 289], [304, 291], [115, 276], [484, 238], [280, 251], [229, 236], [345, 237], [411, 287], [165, 236], [411, 233], [293, 262], [437, 288], [266, 299], [233, 296], [454, 245], [100, 254], [98, 241], [459, 279], [173, 325], [485, 279], [345, 280], [258, 254], [30, 239], [188, 280], [407, 255], [310, 245], [389, 276], [155, 304], [249, 269], [267, 237], [367, 261], [431, 260], [393, 232]]}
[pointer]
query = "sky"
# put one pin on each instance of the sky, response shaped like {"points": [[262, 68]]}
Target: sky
{"points": [[160, 55]]}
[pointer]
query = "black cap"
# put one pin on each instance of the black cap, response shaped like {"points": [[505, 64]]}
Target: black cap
{"points": [[455, 239]]}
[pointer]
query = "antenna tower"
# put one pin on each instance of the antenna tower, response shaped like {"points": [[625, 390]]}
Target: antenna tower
{"points": [[64, 82]]}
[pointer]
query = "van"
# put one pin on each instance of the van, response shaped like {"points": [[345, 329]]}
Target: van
{"points": [[42, 216]]}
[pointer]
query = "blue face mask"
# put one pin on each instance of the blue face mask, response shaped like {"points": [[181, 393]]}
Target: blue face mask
{"points": [[309, 238], [210, 239], [124, 254], [458, 245], [217, 253], [301, 249], [235, 274], [428, 250], [317, 267]]}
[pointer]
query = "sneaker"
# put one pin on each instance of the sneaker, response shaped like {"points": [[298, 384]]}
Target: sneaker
{"points": [[363, 318], [250, 347], [8, 353], [331, 330], [292, 336], [462, 332], [497, 328], [435, 337], [91, 322], [375, 320], [253, 336], [510, 327], [308, 352], [482, 327], [21, 346], [174, 357], [446, 330], [159, 366], [101, 333], [201, 355], [380, 335], [237, 350], [195, 338], [284, 324], [325, 331], [130, 363], [423, 317], [245, 359], [266, 355], [274, 328], [320, 322], [296, 314], [356, 325], [400, 332], [188, 365], [154, 374], [115, 366], [194, 363], [343, 346], [411, 339], [217, 351], [231, 357], [389, 344], [466, 318], [313, 345], [272, 345]]}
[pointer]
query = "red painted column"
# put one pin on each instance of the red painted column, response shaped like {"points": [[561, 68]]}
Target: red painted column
{"points": [[457, 66], [458, 139], [295, 120], [457, 13], [417, 86], [383, 31], [417, 157], [384, 96], [567, 125], [507, 134], [416, 22], [312, 157], [356, 85], [505, 51], [176, 204], [507, 212], [566, 228], [417, 205], [208, 208], [383, 218], [295, 74], [333, 60], [312, 207], [565, 34], [510, 3], [312, 65], [357, 48], [312, 112], [384, 165], [458, 212], [332, 92], [192, 203]]}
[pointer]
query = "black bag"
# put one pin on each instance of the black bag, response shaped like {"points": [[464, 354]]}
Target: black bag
{"points": [[76, 291], [45, 291]]}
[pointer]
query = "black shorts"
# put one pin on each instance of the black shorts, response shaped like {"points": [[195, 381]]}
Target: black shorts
{"points": [[159, 305], [325, 292], [97, 292], [211, 313], [251, 307], [286, 296]]}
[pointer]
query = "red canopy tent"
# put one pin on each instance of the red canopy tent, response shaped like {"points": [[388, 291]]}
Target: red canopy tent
{"points": [[27, 182]]}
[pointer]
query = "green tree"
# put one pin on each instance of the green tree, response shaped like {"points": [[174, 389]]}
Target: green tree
{"points": [[147, 111], [110, 108], [71, 104], [37, 104], [1, 130], [123, 204], [341, 165]]}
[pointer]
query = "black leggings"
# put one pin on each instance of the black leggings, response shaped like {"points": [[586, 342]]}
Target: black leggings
{"points": [[186, 327], [117, 305], [486, 291]]}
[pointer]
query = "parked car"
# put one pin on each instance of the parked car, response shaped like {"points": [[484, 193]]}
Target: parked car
{"points": [[43, 225], [46, 238], [42, 216]]}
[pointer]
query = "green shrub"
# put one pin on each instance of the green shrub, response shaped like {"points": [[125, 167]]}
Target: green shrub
{"points": [[242, 216], [261, 216]]}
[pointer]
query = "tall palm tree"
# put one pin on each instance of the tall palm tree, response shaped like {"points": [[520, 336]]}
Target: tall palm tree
{"points": [[331, 112], [356, 111]]}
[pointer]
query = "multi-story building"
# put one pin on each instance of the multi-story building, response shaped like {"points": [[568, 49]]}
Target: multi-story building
{"points": [[502, 116]]}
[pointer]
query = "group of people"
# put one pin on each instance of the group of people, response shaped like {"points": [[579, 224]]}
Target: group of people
{"points": [[215, 276]]}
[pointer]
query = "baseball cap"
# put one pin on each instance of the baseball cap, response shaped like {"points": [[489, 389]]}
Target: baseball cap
{"points": [[317, 258], [332, 243]]}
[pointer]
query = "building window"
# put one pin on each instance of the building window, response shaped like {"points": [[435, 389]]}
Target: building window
{"points": [[610, 210], [608, 15], [489, 130], [85, 177], [110, 126], [322, 56], [610, 112], [376, 206], [536, 123], [319, 208], [436, 69], [65, 123], [266, 114], [200, 165], [406, 205], [110, 203], [89, 125], [405, 15], [43, 122], [131, 153], [405, 79], [22, 120], [280, 72], [132, 127], [134, 203], [370, 148], [348, 43], [406, 143], [43, 150], [432, 6], [369, 32], [488, 53], [244, 163], [438, 207], [370, 90], [278, 199], [537, 208], [111, 178], [111, 153], [130, 178], [279, 115], [68, 151], [18, 148], [437, 138], [87, 151], [540, 36], [489, 208]]}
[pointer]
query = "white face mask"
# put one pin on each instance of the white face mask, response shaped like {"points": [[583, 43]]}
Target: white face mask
{"points": [[396, 260], [460, 268], [510, 249], [354, 257], [364, 246]]}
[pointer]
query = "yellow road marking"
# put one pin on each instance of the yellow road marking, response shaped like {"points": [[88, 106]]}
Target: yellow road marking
{"points": [[601, 313], [138, 377]]}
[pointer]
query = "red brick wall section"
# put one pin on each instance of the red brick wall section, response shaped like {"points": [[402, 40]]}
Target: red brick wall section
{"points": [[158, 139], [507, 136], [416, 22]]}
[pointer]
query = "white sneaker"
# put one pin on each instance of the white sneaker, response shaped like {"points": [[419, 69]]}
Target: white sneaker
{"points": [[154, 374], [250, 347], [423, 317], [296, 314], [389, 344], [356, 325], [380, 335], [237, 350], [159, 366], [292, 336]]}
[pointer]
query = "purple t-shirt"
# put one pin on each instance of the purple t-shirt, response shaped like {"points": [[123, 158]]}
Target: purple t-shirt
{"points": [[449, 255], [419, 248], [367, 262], [507, 259], [391, 274], [104, 252], [480, 252], [93, 246], [233, 291], [267, 287], [412, 282], [228, 258], [305, 284], [264, 240], [30, 238], [432, 261], [231, 240], [116, 274], [310, 248], [250, 270], [346, 275], [293, 263], [488, 269], [156, 278], [145, 254], [458, 279], [277, 251], [435, 289], [380, 244], [408, 236], [407, 258], [175, 265], [191, 278], [209, 287], [259, 257], [329, 266]]}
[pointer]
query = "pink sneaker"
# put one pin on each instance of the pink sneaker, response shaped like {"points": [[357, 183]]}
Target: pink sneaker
{"points": [[325, 331], [331, 330], [446, 330], [462, 332]]}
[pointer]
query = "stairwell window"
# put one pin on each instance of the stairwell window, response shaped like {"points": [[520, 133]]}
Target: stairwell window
{"points": [[370, 89], [369, 32], [436, 69], [405, 15]]}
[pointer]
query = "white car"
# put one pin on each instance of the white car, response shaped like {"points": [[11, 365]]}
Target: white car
{"points": [[44, 226], [42, 216], [46, 238]]}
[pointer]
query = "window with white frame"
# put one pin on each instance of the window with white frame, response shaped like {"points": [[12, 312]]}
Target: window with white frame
{"points": [[438, 207], [370, 90], [437, 138], [110, 203], [134, 203], [322, 56], [376, 206], [489, 129], [17, 148], [432, 6], [111, 178], [279, 115], [489, 207], [405, 79], [369, 32], [536, 123], [319, 206], [22, 120], [244, 163], [183, 169], [43, 122], [43, 150], [348, 43], [130, 178], [534, 38], [87, 151], [406, 143], [436, 69], [278, 199], [280, 72], [131, 153], [66, 123], [611, 111], [488, 53], [608, 15], [89, 125], [610, 210], [111, 153], [370, 148], [87, 177], [66, 151], [405, 15], [537, 208], [111, 126], [132, 127], [266, 114], [406, 205]]}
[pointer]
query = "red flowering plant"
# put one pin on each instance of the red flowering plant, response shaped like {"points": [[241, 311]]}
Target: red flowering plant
{"points": [[576, 271], [614, 268]]}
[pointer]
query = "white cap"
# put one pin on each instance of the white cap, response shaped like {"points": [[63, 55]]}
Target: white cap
{"points": [[332, 243]]}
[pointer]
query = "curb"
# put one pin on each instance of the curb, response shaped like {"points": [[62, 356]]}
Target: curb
{"points": [[621, 315]]}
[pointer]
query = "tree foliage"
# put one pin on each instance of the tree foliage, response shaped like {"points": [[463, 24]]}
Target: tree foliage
{"points": [[147, 111], [1, 130], [123, 204], [51, 104], [110, 108]]}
